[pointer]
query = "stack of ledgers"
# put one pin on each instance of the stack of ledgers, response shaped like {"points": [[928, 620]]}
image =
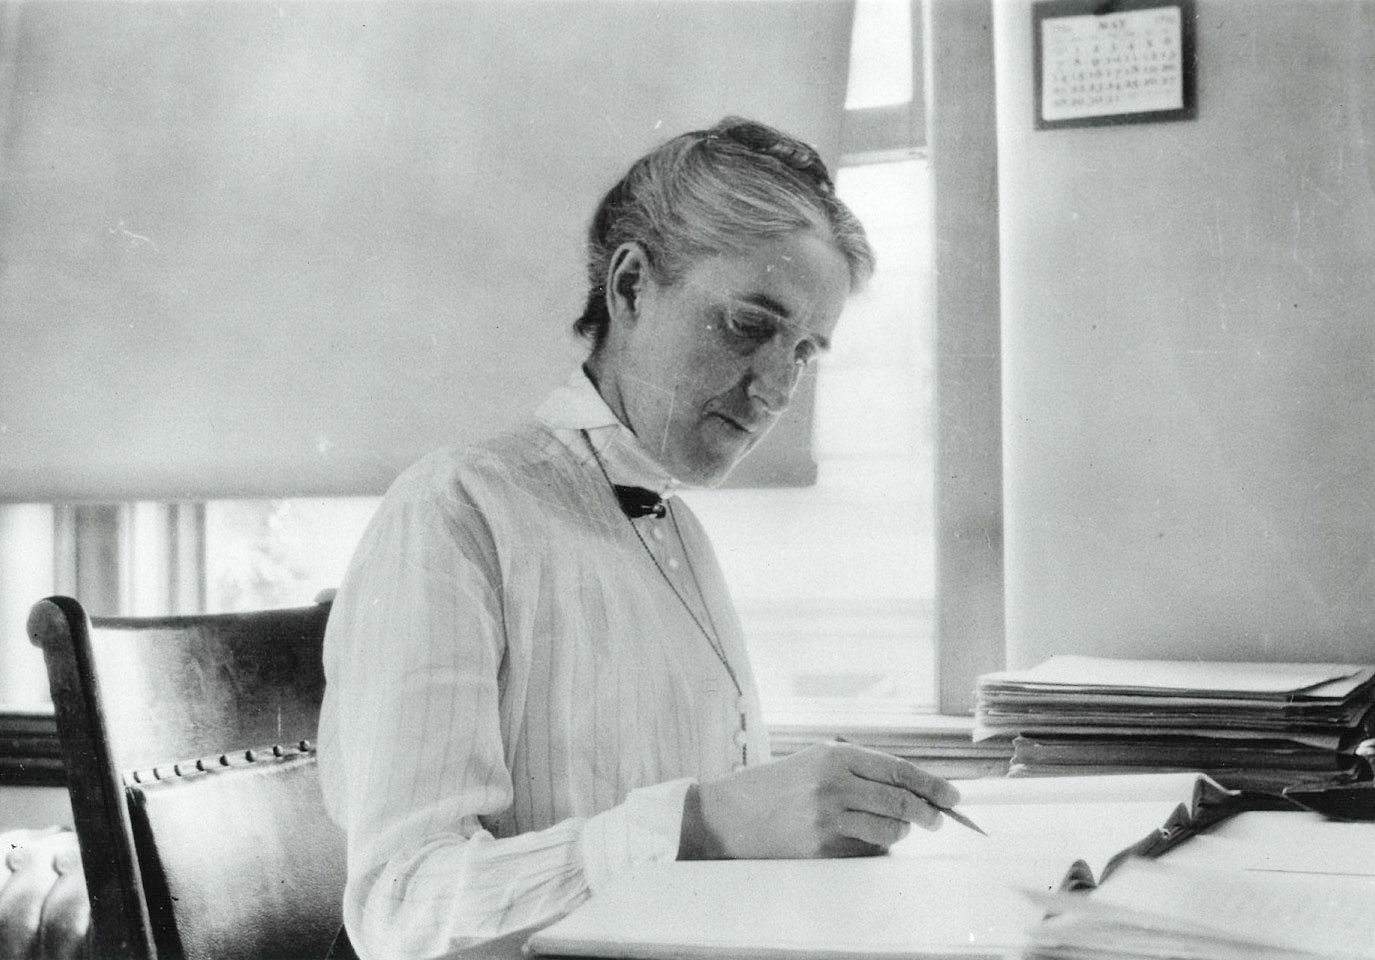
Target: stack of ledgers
{"points": [[1261, 726]]}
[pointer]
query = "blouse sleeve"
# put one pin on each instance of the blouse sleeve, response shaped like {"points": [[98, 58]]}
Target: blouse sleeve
{"points": [[411, 750]]}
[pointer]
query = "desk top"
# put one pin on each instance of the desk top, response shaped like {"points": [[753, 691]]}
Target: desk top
{"points": [[921, 904]]}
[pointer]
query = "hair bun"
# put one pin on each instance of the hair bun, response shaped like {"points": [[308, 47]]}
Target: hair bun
{"points": [[763, 139]]}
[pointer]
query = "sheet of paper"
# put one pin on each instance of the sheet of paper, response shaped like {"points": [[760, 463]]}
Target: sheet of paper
{"points": [[1196, 675], [985, 731], [1296, 842], [873, 908], [1178, 787], [1039, 841], [1081, 927], [1040, 826], [1323, 915]]}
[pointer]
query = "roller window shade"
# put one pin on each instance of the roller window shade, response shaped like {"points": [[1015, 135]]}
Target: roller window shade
{"points": [[270, 249]]}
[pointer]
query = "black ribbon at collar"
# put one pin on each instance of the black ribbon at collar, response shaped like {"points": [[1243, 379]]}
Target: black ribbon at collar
{"points": [[638, 502]]}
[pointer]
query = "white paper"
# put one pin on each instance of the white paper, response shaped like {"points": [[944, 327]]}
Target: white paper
{"points": [[1295, 842], [1190, 675]]}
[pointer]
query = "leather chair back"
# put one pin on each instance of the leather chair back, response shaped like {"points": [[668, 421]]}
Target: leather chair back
{"points": [[240, 859], [140, 701]]}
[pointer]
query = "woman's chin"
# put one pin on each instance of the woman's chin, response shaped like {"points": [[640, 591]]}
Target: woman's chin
{"points": [[710, 466]]}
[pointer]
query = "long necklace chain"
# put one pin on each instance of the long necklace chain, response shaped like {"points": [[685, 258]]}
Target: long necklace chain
{"points": [[712, 635]]}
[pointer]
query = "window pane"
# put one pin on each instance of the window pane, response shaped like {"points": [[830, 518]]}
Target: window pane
{"points": [[276, 553], [26, 576], [877, 386], [880, 54]]}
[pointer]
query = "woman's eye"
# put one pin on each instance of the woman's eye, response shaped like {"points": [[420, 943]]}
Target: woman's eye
{"points": [[751, 326]]}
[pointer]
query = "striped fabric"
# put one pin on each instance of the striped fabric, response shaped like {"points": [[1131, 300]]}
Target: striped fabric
{"points": [[517, 698]]}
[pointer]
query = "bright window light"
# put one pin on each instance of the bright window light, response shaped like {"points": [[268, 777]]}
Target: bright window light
{"points": [[880, 54]]}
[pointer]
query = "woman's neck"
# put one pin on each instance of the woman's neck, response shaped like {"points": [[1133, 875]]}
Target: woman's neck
{"points": [[606, 388]]}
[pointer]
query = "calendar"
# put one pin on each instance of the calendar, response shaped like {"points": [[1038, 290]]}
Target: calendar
{"points": [[1114, 66]]}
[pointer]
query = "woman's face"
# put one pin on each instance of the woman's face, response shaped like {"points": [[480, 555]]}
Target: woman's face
{"points": [[712, 360]]}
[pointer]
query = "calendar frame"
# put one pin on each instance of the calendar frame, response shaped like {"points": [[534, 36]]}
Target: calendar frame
{"points": [[1052, 9]]}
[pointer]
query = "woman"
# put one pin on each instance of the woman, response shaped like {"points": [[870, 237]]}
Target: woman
{"points": [[536, 679]]}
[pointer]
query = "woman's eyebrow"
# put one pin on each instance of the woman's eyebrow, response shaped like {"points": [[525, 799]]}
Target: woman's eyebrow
{"points": [[768, 303]]}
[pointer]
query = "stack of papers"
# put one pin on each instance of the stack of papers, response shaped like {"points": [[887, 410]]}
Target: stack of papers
{"points": [[1263, 726]]}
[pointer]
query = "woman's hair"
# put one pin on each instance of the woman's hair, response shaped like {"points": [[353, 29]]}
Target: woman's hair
{"points": [[714, 191]]}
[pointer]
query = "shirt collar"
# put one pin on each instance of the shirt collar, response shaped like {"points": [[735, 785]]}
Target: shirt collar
{"points": [[576, 407]]}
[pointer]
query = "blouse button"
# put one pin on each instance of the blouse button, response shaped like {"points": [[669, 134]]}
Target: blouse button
{"points": [[672, 563], [657, 532], [741, 738]]}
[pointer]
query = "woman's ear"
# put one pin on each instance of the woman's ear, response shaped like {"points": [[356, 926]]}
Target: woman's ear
{"points": [[624, 284]]}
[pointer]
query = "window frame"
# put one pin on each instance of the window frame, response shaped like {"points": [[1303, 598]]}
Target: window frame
{"points": [[970, 621]]}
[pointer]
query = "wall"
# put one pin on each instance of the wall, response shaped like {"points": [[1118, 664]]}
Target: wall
{"points": [[1189, 352], [26, 808]]}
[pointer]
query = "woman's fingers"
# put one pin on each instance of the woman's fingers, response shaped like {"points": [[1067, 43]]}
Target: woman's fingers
{"points": [[831, 799], [886, 769], [875, 831], [893, 803]]}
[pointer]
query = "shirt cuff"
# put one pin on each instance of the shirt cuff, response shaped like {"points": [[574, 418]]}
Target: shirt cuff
{"points": [[645, 828]]}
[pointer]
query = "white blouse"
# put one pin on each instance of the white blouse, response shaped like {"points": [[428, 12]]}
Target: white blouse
{"points": [[517, 696]]}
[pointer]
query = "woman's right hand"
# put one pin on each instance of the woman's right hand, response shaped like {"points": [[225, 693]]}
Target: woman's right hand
{"points": [[829, 800]]}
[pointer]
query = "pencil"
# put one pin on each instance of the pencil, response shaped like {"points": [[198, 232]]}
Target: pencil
{"points": [[959, 818], [950, 812]]}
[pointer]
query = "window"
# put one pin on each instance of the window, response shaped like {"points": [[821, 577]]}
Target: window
{"points": [[265, 553], [26, 574]]}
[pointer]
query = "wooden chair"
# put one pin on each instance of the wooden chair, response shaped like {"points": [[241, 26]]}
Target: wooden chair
{"points": [[188, 749]]}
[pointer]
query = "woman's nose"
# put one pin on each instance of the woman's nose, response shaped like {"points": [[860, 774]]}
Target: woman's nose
{"points": [[774, 375]]}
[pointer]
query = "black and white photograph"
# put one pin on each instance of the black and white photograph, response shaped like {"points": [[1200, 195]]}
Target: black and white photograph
{"points": [[687, 479]]}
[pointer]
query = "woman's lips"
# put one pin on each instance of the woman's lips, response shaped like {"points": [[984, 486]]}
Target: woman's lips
{"points": [[742, 424]]}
